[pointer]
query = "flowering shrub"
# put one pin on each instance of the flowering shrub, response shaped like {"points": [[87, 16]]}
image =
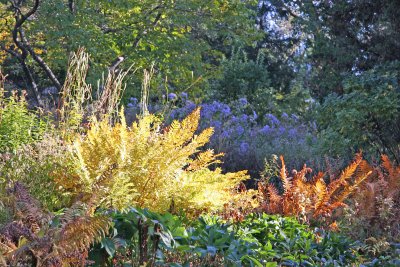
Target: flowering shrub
{"points": [[246, 138]]}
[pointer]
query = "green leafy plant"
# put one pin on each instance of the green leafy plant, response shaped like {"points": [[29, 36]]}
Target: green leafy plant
{"points": [[18, 125], [259, 240], [34, 165]]}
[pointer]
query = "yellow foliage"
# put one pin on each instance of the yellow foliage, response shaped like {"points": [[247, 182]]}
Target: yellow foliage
{"points": [[149, 167], [242, 203]]}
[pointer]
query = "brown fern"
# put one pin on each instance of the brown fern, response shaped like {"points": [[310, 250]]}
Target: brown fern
{"points": [[377, 202], [59, 244], [312, 198]]}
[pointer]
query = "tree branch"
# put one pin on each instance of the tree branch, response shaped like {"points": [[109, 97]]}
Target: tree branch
{"points": [[71, 6], [39, 60], [22, 42]]}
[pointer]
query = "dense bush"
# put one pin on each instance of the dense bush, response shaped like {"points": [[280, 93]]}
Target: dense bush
{"points": [[34, 165], [365, 117]]}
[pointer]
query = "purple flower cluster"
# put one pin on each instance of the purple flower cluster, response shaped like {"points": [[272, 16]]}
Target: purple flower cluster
{"points": [[245, 141]]}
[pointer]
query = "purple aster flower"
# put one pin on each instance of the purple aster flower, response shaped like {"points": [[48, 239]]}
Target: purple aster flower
{"points": [[234, 119], [240, 130], [174, 114], [172, 96], [266, 130], [274, 120], [226, 110], [225, 134], [282, 130], [243, 102], [292, 133], [207, 111], [244, 118], [133, 100], [189, 106], [216, 125]]}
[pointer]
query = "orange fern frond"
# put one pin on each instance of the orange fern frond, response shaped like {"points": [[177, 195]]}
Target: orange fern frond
{"points": [[321, 193], [346, 174], [393, 178], [350, 189], [387, 164], [286, 183], [274, 194]]}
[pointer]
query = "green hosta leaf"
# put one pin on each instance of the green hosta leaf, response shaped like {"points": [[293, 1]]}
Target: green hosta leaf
{"points": [[253, 261], [109, 245]]}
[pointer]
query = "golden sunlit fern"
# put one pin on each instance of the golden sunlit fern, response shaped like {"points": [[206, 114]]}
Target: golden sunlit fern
{"points": [[148, 166], [35, 237]]}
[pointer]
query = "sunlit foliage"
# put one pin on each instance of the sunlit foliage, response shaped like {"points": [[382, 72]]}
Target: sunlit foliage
{"points": [[147, 166]]}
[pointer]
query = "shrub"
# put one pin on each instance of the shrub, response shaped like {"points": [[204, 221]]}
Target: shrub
{"points": [[146, 166], [243, 77], [34, 165], [18, 125], [365, 117], [245, 141]]}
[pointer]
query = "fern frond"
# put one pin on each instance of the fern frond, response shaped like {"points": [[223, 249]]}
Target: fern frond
{"points": [[204, 160], [387, 164], [350, 189], [321, 193], [80, 233], [26, 208], [286, 183], [182, 132], [346, 174]]}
